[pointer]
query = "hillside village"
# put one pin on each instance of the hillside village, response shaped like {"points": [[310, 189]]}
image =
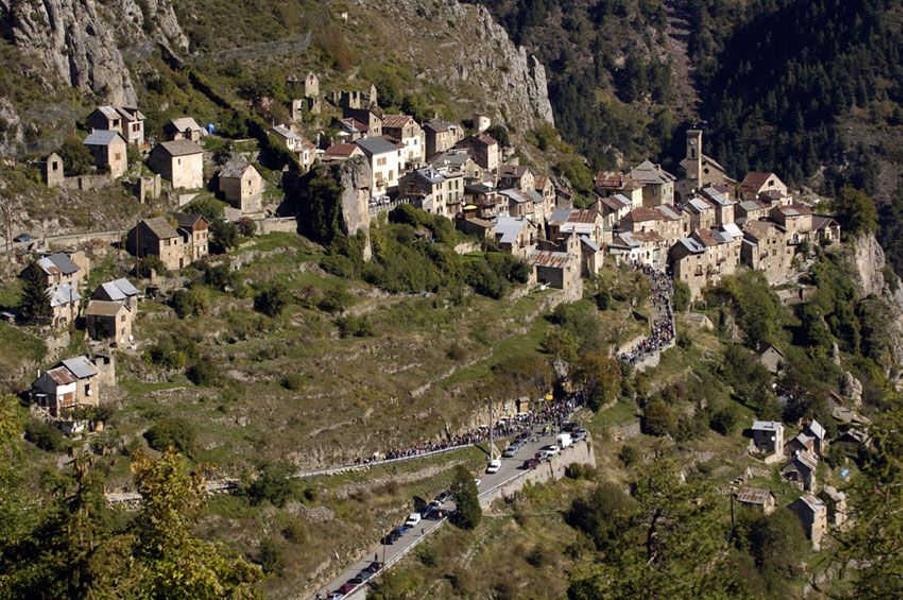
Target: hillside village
{"points": [[686, 230]]}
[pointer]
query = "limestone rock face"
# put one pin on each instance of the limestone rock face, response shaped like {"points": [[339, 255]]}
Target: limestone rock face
{"points": [[463, 47], [354, 177], [11, 134], [81, 41]]}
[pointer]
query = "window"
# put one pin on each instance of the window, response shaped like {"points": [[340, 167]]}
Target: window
{"points": [[88, 390], [117, 156], [380, 162], [179, 161]]}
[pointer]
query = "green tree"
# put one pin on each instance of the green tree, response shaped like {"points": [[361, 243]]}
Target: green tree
{"points": [[172, 432], [600, 377], [681, 299], [171, 561], [464, 490], [855, 211], [271, 300], [77, 159], [658, 418], [223, 236], [35, 305]]}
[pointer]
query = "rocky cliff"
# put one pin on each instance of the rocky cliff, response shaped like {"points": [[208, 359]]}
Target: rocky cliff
{"points": [[868, 261], [462, 47], [87, 44]]}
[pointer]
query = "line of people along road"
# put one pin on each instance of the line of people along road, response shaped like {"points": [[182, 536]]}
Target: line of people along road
{"points": [[662, 331]]}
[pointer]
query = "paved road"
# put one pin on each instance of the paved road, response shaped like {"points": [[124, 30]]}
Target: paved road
{"points": [[488, 483]]}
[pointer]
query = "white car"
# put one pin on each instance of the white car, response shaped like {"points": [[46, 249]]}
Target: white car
{"points": [[494, 466], [413, 519]]}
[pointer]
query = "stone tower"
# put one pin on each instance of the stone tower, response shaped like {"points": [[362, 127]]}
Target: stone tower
{"points": [[53, 170], [693, 161]]}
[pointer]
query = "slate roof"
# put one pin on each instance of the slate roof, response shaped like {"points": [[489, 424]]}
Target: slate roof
{"points": [[754, 181], [184, 123], [181, 148], [161, 228], [119, 289], [396, 121], [376, 145], [430, 175], [103, 308], [102, 137], [235, 168], [767, 425], [63, 295], [813, 503], [189, 221], [817, 430], [691, 244], [648, 172], [508, 228], [58, 262], [751, 495], [716, 196]]}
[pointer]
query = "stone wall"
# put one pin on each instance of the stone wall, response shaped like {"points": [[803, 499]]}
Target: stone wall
{"points": [[581, 453], [274, 224]]}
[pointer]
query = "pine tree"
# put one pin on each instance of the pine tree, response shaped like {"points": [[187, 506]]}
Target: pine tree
{"points": [[464, 490], [35, 307]]}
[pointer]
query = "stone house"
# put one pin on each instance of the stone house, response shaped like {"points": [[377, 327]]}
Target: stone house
{"points": [[460, 161], [700, 170], [757, 183], [483, 149], [441, 136], [544, 186], [768, 437], [487, 200], [813, 514], [664, 220], [825, 229], [613, 209], [796, 219], [657, 184], [184, 128], [592, 257], [525, 204], [723, 203], [126, 121], [383, 156], [611, 183], [109, 150], [65, 305], [640, 248], [242, 186], [341, 152], [836, 502], [801, 471], [194, 230], [179, 161], [559, 267], [175, 248], [515, 235], [105, 320], [751, 210], [438, 193], [118, 290], [584, 222], [370, 117], [701, 213], [351, 130], [73, 383], [772, 359], [406, 132], [689, 264], [765, 249], [756, 498], [516, 176], [61, 268]]}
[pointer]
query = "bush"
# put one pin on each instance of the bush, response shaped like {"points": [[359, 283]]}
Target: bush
{"points": [[272, 485], [172, 432], [45, 436], [335, 300], [603, 299], [189, 303], [223, 237], [579, 471], [271, 558], [202, 373], [271, 300], [292, 381], [628, 455], [246, 227], [658, 418], [148, 264], [681, 298], [172, 352], [77, 159], [354, 326], [724, 421], [222, 277]]}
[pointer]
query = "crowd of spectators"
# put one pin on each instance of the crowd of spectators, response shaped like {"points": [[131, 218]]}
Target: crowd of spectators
{"points": [[662, 329]]}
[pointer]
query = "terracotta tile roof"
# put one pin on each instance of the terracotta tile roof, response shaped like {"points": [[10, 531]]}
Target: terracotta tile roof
{"points": [[341, 151], [396, 121], [549, 258], [754, 181], [641, 214]]}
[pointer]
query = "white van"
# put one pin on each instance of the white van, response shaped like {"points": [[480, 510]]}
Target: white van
{"points": [[564, 440], [413, 519]]}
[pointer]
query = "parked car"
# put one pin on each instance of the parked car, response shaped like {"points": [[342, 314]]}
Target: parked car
{"points": [[390, 538], [335, 596], [374, 566], [564, 440], [510, 451], [442, 497], [364, 575], [23, 238], [530, 463], [494, 466], [547, 452], [346, 588], [413, 519]]}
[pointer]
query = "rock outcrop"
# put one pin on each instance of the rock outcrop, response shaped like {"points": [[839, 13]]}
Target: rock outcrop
{"points": [[462, 47], [79, 41], [354, 177]]}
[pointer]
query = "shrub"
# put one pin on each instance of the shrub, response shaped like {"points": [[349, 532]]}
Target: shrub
{"points": [[172, 432], [354, 326], [246, 227], [603, 299], [172, 352], [658, 418], [45, 436], [335, 300], [579, 471], [464, 490], [681, 298], [456, 352], [189, 303], [148, 264], [628, 455], [222, 277], [271, 300], [223, 237], [292, 381], [77, 159], [724, 421], [203, 372], [270, 557], [272, 485]]}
